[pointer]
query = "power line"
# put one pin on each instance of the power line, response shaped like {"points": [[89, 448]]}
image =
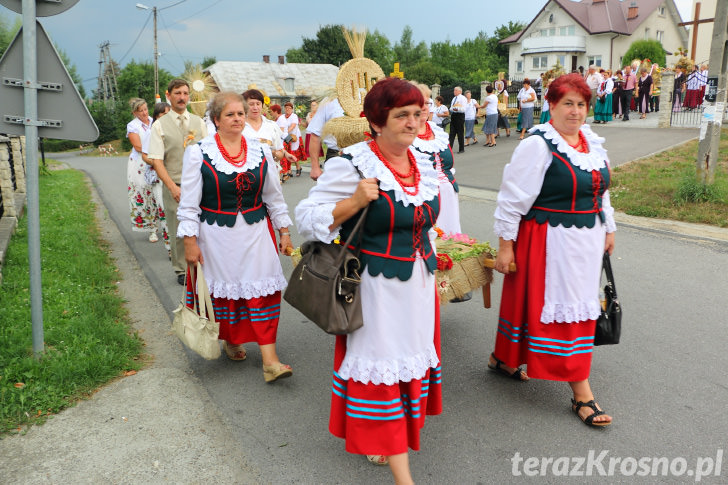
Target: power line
{"points": [[170, 37], [137, 38], [195, 14]]}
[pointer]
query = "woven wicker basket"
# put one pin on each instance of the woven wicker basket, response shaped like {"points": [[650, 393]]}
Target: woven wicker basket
{"points": [[465, 276]]}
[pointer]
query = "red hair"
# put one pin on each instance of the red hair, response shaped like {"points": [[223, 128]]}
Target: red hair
{"points": [[566, 83], [276, 108], [390, 92]]}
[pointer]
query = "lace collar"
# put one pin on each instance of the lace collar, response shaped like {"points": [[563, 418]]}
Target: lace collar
{"points": [[366, 161], [253, 157], [436, 145], [594, 160]]}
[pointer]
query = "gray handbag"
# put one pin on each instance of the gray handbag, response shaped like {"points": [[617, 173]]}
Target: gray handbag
{"points": [[324, 286]]}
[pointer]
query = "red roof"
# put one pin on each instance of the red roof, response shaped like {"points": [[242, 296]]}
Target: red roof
{"points": [[601, 16]]}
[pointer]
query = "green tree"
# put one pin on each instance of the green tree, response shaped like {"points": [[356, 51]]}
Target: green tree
{"points": [[428, 72], [136, 80], [406, 52], [500, 51], [208, 61], [7, 32], [645, 49], [378, 49], [72, 71], [111, 119], [328, 47]]}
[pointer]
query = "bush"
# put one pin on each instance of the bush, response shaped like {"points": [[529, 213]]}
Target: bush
{"points": [[645, 49]]}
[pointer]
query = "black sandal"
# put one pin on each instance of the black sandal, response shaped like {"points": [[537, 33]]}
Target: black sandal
{"points": [[298, 172], [517, 374], [589, 420]]}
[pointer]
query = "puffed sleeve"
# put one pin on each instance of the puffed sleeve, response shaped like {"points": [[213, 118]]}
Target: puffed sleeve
{"points": [[522, 181], [273, 199], [188, 211], [608, 211], [132, 127], [314, 214]]}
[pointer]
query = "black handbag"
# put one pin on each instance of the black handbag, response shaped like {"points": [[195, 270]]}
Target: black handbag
{"points": [[324, 286], [609, 323]]}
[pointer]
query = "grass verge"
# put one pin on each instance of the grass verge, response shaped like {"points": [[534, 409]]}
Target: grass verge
{"points": [[665, 186], [87, 337]]}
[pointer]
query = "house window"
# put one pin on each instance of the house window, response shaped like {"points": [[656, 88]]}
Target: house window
{"points": [[561, 60], [567, 30], [288, 84], [540, 62], [519, 66], [659, 35], [647, 34], [548, 32], [661, 11], [596, 60]]}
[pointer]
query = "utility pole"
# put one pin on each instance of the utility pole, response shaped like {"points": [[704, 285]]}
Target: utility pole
{"points": [[710, 125], [157, 98], [141, 6]]}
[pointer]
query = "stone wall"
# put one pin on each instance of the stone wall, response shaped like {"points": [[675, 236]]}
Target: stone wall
{"points": [[12, 188]]}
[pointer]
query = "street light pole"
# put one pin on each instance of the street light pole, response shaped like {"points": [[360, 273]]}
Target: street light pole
{"points": [[157, 98]]}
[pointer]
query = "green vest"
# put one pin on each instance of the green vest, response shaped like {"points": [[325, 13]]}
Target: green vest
{"points": [[569, 195], [224, 195], [392, 235]]}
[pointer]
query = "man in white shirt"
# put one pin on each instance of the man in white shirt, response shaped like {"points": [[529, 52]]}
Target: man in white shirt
{"points": [[593, 80], [171, 134], [457, 115], [327, 111]]}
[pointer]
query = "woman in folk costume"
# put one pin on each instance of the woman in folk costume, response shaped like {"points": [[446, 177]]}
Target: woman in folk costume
{"points": [[555, 221], [603, 107], [231, 203], [142, 205], [386, 373], [432, 141]]}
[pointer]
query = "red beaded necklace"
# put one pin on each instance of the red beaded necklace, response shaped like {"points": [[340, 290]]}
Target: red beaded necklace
{"points": [[581, 145], [427, 135], [226, 155], [399, 177]]}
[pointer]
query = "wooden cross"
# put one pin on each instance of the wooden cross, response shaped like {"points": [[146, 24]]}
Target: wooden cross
{"points": [[397, 72], [695, 22]]}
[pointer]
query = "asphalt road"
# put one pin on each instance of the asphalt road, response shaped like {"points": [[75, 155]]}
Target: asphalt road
{"points": [[664, 385]]}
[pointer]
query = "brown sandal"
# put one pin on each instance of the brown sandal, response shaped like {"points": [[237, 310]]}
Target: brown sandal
{"points": [[234, 352], [276, 371]]}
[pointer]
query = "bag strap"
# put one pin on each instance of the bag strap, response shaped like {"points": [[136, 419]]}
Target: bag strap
{"points": [[607, 265], [201, 296], [357, 227]]}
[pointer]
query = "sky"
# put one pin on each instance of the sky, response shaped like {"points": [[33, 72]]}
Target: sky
{"points": [[245, 30]]}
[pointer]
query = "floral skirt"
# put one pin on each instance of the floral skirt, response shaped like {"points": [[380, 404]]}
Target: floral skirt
{"points": [[143, 208]]}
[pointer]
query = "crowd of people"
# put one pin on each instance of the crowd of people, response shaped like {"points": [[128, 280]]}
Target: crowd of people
{"points": [[221, 183]]}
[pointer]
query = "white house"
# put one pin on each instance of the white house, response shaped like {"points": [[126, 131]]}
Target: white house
{"points": [[595, 32], [279, 81]]}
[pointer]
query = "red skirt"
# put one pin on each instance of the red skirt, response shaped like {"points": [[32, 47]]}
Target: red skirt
{"points": [[693, 98], [306, 153], [553, 351], [381, 419]]}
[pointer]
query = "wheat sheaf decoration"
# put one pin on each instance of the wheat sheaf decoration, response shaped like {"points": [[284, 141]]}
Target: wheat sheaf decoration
{"points": [[201, 88], [354, 80]]}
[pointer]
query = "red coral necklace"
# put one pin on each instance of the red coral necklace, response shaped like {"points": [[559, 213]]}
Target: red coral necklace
{"points": [[427, 135], [226, 155], [399, 177]]}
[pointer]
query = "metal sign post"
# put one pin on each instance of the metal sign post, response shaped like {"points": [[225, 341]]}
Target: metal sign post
{"points": [[11, 121]]}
